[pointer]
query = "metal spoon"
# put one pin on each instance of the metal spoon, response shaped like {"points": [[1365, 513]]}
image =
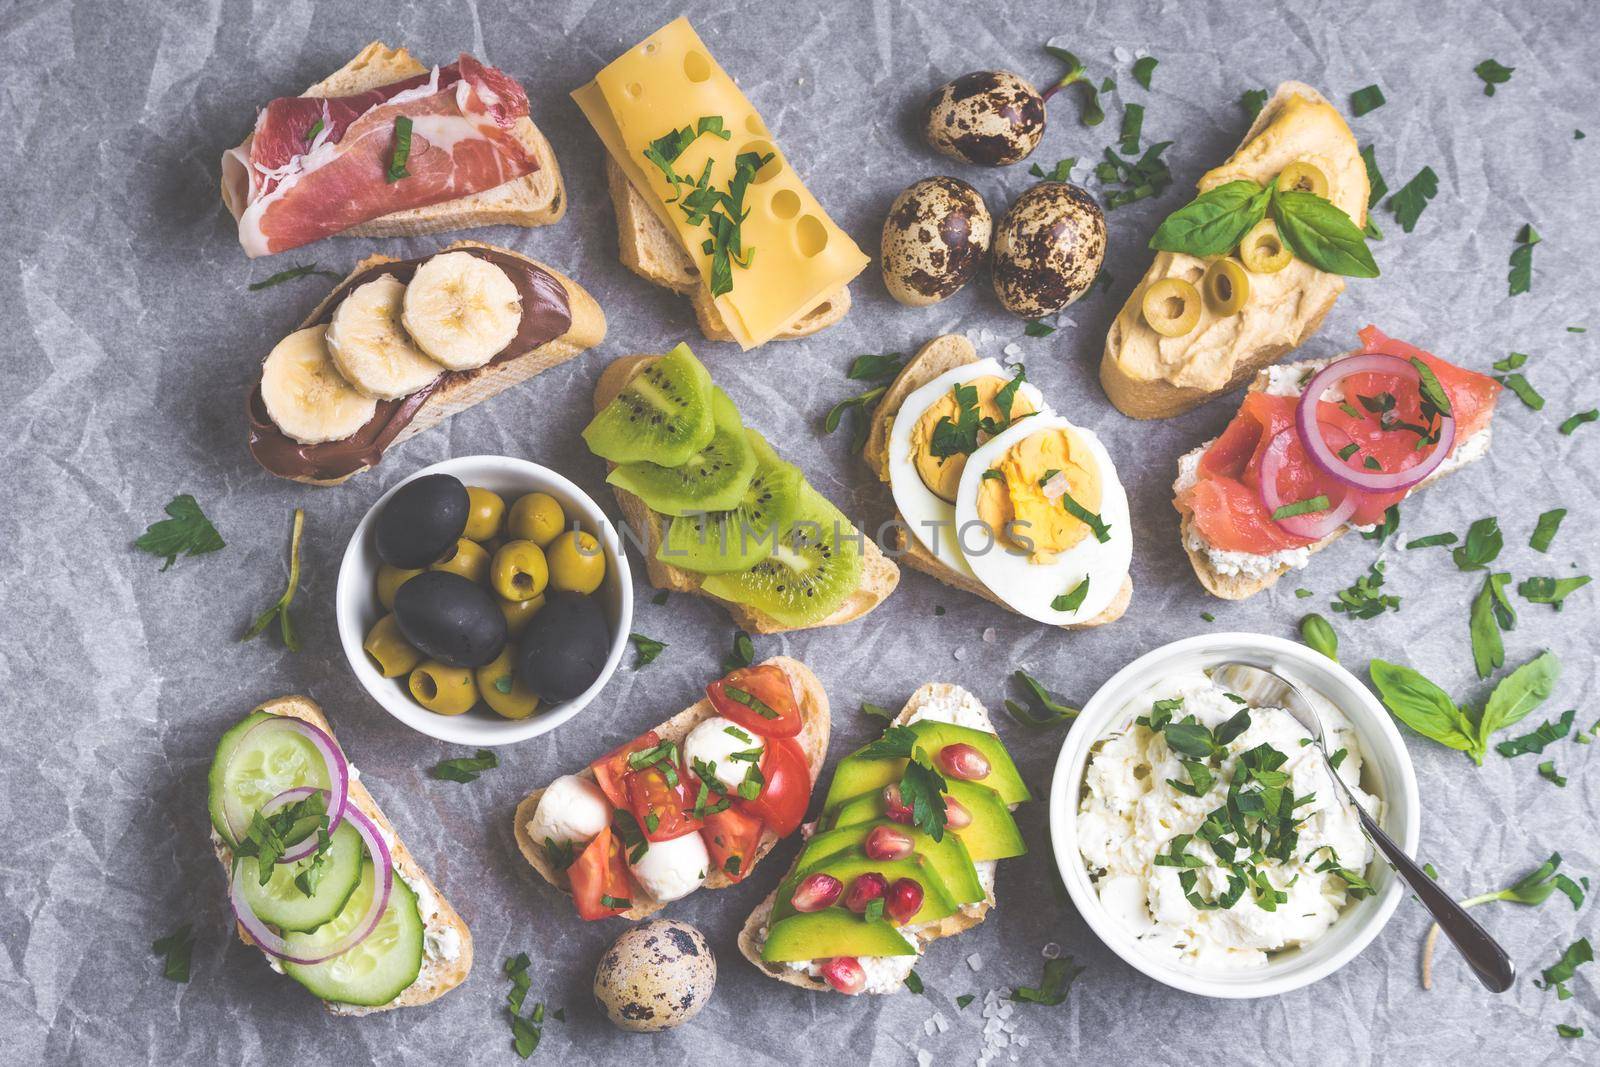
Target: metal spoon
{"points": [[1264, 687]]}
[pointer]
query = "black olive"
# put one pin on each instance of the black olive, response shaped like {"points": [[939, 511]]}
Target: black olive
{"points": [[564, 648], [422, 521], [450, 618]]}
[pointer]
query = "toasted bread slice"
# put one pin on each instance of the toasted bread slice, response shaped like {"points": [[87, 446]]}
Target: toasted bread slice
{"points": [[462, 390], [536, 199], [1157, 398], [815, 728], [438, 975], [1243, 586], [648, 248], [879, 575], [968, 916], [945, 353]]}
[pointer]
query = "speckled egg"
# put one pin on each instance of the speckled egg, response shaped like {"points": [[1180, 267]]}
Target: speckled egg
{"points": [[936, 235], [656, 976], [1048, 249], [989, 117]]}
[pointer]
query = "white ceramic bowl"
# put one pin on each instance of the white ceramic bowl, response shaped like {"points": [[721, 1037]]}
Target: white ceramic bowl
{"points": [[357, 610], [1386, 773]]}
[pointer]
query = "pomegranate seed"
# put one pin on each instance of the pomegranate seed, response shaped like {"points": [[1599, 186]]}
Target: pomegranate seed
{"points": [[887, 843], [844, 973], [962, 760], [894, 808], [956, 815], [816, 891], [904, 900], [864, 890]]}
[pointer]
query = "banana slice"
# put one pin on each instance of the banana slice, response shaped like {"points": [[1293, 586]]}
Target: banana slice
{"points": [[369, 347], [461, 310], [305, 394]]}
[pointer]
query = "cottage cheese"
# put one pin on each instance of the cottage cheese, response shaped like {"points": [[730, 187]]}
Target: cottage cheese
{"points": [[1130, 813]]}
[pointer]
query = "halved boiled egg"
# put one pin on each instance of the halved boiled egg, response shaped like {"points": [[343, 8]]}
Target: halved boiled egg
{"points": [[926, 441], [1032, 508]]}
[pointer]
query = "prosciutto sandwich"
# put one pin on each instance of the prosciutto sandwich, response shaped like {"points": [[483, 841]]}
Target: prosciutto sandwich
{"points": [[387, 147]]}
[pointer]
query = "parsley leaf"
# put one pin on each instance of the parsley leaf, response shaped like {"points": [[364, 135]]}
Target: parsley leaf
{"points": [[1055, 711], [176, 947], [280, 609], [646, 649], [1409, 203], [188, 531], [873, 368], [464, 768]]}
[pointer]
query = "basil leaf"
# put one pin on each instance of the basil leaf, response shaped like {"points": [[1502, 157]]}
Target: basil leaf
{"points": [[1212, 223], [1544, 531], [1143, 67], [1519, 693], [1366, 99], [1059, 974], [176, 947], [1317, 633], [1322, 235], [466, 768], [1071, 600], [1421, 705], [1486, 622], [1545, 734], [1481, 547], [646, 649], [1552, 591], [872, 367], [1253, 101], [1055, 710]]}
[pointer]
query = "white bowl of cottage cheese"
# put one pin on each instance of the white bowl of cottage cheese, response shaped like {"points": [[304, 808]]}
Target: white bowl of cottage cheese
{"points": [[1200, 836]]}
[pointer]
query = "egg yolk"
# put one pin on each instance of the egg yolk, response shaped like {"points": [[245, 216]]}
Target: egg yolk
{"points": [[942, 475], [1023, 507]]}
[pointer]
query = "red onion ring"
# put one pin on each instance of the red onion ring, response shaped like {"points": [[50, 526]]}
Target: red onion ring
{"points": [[1325, 458], [273, 944], [1315, 525], [308, 845], [338, 774]]}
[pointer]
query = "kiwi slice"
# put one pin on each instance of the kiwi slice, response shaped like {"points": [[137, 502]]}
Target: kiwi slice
{"points": [[814, 566], [662, 415], [721, 542], [713, 479]]}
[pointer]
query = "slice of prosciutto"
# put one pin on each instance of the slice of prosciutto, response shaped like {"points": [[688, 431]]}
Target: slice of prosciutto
{"points": [[317, 166]]}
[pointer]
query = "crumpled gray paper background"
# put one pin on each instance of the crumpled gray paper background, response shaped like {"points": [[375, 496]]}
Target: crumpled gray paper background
{"points": [[131, 341]]}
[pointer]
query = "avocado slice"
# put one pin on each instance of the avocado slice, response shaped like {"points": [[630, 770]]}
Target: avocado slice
{"points": [[857, 775], [832, 932], [1003, 776], [992, 835], [948, 855], [936, 899]]}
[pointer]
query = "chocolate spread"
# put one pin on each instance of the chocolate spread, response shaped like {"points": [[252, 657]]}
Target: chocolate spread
{"points": [[546, 315]]}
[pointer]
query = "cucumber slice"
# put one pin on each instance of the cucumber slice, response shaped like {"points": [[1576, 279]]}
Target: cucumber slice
{"points": [[281, 903], [380, 968], [265, 766]]}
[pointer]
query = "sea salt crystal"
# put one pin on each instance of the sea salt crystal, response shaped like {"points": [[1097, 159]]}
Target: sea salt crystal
{"points": [[987, 335], [960, 653], [927, 1027], [940, 1022], [1050, 951], [988, 635], [1021, 1041], [975, 961], [924, 1058], [1140, 53], [1012, 349], [1065, 323], [1121, 54]]}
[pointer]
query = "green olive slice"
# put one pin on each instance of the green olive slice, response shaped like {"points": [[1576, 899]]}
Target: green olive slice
{"points": [[1226, 286], [1262, 250], [1171, 307], [1303, 178]]}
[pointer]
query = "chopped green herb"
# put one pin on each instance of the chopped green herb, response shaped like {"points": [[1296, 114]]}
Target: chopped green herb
{"points": [[1563, 1030], [1061, 172], [1059, 974], [1511, 362], [1558, 974], [1547, 771], [874, 910], [1574, 421], [186, 532], [1317, 634], [1481, 547], [1132, 126], [177, 948], [1552, 591], [1036, 328], [1253, 101], [1432, 540], [964, 999], [311, 133], [1491, 613], [646, 649], [1365, 100], [1544, 531], [465, 768], [1301, 507], [303, 271], [743, 654], [1143, 67], [1129, 181], [1071, 600], [1521, 276], [1390, 523], [1302, 593], [1547, 733], [1091, 113], [875, 367], [876, 711], [1493, 74], [1523, 388], [402, 150], [1208, 617], [1101, 530], [751, 701], [1409, 203], [615, 902], [660, 598], [938, 609], [561, 854], [1376, 188], [1054, 710], [280, 609], [914, 981]]}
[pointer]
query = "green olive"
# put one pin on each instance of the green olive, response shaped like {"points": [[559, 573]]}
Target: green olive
{"points": [[485, 512], [519, 571], [1171, 307], [503, 691], [391, 579], [1226, 286], [1303, 178], [468, 560], [1262, 250], [443, 689], [536, 517], [577, 563], [519, 613], [388, 650]]}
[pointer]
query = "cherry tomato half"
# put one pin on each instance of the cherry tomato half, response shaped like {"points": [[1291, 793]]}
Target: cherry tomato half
{"points": [[785, 788], [761, 699], [610, 769], [600, 879], [662, 809], [731, 837]]}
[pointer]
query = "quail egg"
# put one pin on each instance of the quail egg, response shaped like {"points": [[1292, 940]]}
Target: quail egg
{"points": [[1048, 249], [656, 976], [935, 236], [989, 117]]}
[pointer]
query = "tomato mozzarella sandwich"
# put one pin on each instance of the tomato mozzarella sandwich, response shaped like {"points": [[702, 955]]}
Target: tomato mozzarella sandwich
{"points": [[697, 801], [386, 147], [1320, 447]]}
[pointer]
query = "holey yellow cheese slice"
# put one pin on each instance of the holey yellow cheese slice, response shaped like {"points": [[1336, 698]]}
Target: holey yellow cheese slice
{"points": [[669, 81]]}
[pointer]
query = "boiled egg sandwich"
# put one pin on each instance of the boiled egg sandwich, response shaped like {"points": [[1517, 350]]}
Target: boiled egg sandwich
{"points": [[997, 494]]}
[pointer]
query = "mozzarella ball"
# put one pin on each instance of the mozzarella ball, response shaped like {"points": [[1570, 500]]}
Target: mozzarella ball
{"points": [[572, 810], [673, 869], [712, 743]]}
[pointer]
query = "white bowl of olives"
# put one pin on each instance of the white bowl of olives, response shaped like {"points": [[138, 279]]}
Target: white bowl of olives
{"points": [[484, 600]]}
